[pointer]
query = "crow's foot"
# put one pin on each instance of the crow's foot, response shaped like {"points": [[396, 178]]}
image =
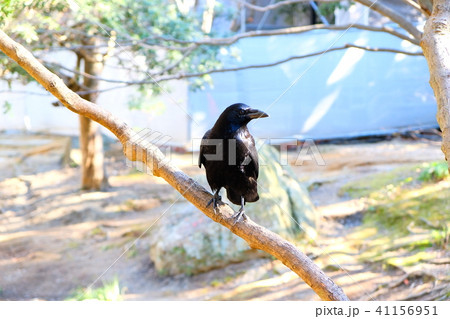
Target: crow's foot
{"points": [[238, 216], [214, 201]]}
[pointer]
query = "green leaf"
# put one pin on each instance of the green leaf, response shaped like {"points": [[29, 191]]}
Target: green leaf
{"points": [[6, 107]]}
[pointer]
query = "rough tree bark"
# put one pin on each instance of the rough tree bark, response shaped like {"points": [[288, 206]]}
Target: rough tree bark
{"points": [[255, 235], [436, 48], [93, 175]]}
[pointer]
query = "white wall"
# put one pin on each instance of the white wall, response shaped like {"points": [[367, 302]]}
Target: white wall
{"points": [[32, 108]]}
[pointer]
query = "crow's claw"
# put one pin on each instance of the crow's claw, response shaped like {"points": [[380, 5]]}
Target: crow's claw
{"points": [[240, 213], [214, 201]]}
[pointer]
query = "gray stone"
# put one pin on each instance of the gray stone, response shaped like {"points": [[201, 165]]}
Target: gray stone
{"points": [[186, 241]]}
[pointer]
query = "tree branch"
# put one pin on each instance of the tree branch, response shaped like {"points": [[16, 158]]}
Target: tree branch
{"points": [[180, 76], [256, 236], [411, 3], [393, 16], [416, 6], [426, 6], [275, 5], [293, 30], [258, 66]]}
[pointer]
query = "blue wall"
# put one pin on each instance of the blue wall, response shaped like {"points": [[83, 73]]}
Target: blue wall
{"points": [[339, 94]]}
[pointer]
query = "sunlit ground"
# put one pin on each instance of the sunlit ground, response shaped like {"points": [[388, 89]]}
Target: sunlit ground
{"points": [[384, 231]]}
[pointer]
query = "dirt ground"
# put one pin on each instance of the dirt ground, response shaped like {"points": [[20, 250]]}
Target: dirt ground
{"points": [[55, 238]]}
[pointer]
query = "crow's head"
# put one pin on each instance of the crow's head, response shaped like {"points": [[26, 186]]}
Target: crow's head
{"points": [[240, 114]]}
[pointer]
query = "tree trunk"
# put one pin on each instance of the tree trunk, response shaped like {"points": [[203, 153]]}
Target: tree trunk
{"points": [[436, 48], [91, 142]]}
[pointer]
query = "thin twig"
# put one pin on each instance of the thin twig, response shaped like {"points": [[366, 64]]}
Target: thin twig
{"points": [[292, 30], [393, 16], [180, 76]]}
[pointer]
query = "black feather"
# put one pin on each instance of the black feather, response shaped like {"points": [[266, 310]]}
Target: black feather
{"points": [[229, 154]]}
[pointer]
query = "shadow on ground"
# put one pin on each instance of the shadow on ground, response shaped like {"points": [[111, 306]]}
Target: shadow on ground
{"points": [[55, 239]]}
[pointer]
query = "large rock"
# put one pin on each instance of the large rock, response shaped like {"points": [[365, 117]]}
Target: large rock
{"points": [[186, 241]]}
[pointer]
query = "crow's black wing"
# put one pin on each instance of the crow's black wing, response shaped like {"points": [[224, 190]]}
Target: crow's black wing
{"points": [[251, 164], [201, 158]]}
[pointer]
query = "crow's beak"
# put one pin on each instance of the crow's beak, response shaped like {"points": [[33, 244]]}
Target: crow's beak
{"points": [[256, 114]]}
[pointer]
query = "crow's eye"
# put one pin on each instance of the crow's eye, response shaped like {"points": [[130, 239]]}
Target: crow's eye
{"points": [[241, 112]]}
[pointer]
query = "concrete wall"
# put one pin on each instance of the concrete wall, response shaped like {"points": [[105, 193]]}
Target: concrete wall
{"points": [[339, 94], [32, 108]]}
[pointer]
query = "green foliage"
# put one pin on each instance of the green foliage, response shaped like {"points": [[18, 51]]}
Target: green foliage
{"points": [[382, 185], [435, 171], [132, 252], [110, 291], [98, 232], [407, 220], [216, 283], [387, 184], [146, 28], [6, 107], [327, 9]]}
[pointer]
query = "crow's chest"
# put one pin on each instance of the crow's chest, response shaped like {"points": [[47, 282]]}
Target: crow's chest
{"points": [[229, 154]]}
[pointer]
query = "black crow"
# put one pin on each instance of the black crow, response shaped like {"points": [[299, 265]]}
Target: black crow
{"points": [[230, 158]]}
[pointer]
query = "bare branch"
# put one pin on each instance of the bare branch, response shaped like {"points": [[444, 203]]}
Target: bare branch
{"points": [[347, 46], [275, 5], [89, 76], [383, 50], [412, 3], [416, 6], [370, 3], [255, 235], [180, 76], [393, 16], [426, 5], [293, 30]]}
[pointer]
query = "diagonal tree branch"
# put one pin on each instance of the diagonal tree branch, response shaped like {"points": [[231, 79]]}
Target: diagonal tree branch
{"points": [[426, 6], [255, 235], [393, 16], [416, 6]]}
